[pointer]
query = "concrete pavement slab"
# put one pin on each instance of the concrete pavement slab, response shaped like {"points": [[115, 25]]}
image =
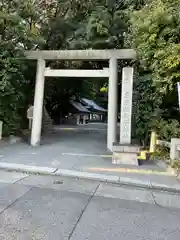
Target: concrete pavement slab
{"points": [[166, 182], [125, 193], [167, 200], [136, 181], [159, 182], [11, 177], [48, 214], [61, 183], [10, 194], [106, 190], [106, 219], [3, 185], [42, 214]]}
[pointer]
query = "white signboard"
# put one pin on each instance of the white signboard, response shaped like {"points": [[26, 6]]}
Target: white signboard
{"points": [[126, 105], [178, 86]]}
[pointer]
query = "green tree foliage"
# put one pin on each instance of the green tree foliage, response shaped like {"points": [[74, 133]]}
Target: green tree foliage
{"points": [[152, 27], [15, 37], [155, 33], [95, 25]]}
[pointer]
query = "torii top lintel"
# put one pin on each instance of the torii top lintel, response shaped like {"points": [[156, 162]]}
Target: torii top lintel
{"points": [[82, 54]]}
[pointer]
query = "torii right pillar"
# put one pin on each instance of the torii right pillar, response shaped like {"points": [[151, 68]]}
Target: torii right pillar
{"points": [[124, 152]]}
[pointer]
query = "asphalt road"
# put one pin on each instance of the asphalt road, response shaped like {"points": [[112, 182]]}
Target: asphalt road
{"points": [[49, 208]]}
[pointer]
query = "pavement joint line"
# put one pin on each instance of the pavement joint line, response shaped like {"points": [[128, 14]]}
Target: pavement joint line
{"points": [[55, 170], [154, 199], [21, 179], [79, 219], [17, 199]]}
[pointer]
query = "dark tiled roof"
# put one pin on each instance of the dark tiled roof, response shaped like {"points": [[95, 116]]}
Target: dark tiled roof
{"points": [[79, 106]]}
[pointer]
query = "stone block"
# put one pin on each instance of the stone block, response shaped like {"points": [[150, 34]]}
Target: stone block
{"points": [[13, 139], [125, 158], [174, 152], [125, 154], [125, 148]]}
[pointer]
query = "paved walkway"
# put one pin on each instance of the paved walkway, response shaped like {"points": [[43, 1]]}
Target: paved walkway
{"points": [[36, 207], [77, 148], [79, 151]]}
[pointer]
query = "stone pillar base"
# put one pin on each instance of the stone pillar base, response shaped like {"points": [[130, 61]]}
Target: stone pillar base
{"points": [[125, 154]]}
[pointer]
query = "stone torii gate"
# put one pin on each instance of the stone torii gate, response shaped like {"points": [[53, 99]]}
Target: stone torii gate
{"points": [[111, 73]]}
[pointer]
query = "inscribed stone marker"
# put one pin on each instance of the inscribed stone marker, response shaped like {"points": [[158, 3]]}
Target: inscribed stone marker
{"points": [[126, 105]]}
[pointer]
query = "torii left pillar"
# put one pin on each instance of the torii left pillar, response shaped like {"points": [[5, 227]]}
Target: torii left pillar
{"points": [[38, 103]]}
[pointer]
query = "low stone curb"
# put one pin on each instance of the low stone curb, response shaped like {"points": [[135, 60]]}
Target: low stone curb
{"points": [[87, 175], [91, 176], [167, 168], [26, 168]]}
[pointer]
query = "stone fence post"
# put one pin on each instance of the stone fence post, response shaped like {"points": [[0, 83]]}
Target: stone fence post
{"points": [[174, 151]]}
